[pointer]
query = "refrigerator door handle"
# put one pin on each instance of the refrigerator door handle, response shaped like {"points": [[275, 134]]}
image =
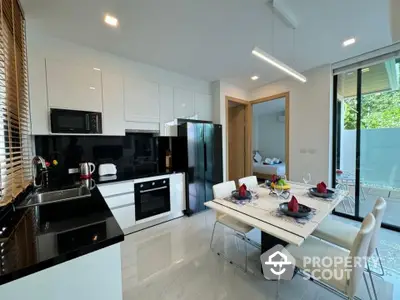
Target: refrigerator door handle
{"points": [[205, 157]]}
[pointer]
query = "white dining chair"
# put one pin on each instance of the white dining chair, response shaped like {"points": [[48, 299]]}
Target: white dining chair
{"points": [[345, 286], [223, 190], [343, 235], [250, 182]]}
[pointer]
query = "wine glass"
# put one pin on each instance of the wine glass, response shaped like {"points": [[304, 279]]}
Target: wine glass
{"points": [[278, 189], [306, 177], [306, 180]]}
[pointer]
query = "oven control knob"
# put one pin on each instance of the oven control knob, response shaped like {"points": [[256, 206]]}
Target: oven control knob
{"points": [[163, 181], [141, 185], [153, 183]]}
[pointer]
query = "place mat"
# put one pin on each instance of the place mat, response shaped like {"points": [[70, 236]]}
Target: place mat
{"points": [[254, 196]]}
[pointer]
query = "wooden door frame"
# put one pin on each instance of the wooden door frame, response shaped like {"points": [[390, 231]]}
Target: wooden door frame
{"points": [[285, 95], [248, 165]]}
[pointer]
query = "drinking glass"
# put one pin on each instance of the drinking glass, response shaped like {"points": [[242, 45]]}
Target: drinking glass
{"points": [[306, 180], [278, 189], [306, 177]]}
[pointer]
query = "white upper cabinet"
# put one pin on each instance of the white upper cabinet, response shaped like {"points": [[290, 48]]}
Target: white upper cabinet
{"points": [[141, 100], [37, 94], [203, 106], [113, 104], [183, 103], [73, 86]]}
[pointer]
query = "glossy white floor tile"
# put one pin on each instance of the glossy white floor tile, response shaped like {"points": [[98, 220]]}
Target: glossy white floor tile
{"points": [[173, 261]]}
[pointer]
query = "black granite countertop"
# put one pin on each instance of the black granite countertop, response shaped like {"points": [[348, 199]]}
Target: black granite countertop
{"points": [[34, 239], [125, 176]]}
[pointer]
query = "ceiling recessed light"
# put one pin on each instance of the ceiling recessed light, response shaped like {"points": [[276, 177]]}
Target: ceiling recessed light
{"points": [[349, 42], [365, 70], [255, 77], [110, 20]]}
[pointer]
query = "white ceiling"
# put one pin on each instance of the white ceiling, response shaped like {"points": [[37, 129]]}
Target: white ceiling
{"points": [[273, 107], [211, 39]]}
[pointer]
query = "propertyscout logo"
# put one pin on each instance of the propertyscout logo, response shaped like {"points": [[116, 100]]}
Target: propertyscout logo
{"points": [[278, 263]]}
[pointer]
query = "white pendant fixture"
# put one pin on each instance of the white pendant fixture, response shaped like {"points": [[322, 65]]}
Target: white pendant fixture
{"points": [[290, 20], [278, 64]]}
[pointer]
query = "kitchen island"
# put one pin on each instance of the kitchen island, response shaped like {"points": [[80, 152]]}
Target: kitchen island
{"points": [[68, 250]]}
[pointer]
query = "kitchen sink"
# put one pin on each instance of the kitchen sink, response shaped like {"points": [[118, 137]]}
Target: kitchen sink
{"points": [[42, 198]]}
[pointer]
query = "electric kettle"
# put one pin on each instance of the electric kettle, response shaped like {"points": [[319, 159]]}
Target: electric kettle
{"points": [[87, 169]]}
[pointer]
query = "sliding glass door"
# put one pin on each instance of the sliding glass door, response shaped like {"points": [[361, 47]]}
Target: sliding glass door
{"points": [[367, 139]]}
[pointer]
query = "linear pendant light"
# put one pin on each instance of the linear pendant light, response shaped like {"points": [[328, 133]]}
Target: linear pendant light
{"points": [[278, 64]]}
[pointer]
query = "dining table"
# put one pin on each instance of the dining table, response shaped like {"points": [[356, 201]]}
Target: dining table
{"points": [[262, 212]]}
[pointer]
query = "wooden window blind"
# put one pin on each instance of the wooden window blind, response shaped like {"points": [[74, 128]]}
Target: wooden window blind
{"points": [[15, 138]]}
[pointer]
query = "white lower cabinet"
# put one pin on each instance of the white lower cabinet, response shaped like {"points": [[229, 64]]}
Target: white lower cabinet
{"points": [[120, 200], [177, 193], [125, 216]]}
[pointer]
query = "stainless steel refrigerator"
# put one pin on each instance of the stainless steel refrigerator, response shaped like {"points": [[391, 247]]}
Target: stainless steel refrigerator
{"points": [[203, 145]]}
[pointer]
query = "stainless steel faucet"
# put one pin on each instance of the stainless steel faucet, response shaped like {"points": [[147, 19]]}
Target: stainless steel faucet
{"points": [[35, 161]]}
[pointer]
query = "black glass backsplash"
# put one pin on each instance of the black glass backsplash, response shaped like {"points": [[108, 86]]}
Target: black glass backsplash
{"points": [[133, 153]]}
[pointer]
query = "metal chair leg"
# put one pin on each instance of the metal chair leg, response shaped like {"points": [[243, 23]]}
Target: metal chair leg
{"points": [[372, 282], [212, 236], [245, 250], [344, 206], [242, 236], [380, 263], [366, 283]]}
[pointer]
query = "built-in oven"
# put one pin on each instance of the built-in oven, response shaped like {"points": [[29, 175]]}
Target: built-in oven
{"points": [[75, 121], [152, 200]]}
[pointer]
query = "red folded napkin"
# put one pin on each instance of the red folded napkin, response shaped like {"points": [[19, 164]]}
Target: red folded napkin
{"points": [[243, 190], [293, 205], [321, 188]]}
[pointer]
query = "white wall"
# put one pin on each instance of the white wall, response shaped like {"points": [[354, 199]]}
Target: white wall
{"points": [[395, 20], [255, 132], [310, 122], [219, 91], [270, 136]]}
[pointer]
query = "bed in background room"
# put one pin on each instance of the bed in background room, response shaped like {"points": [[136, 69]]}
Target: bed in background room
{"points": [[266, 171], [263, 170]]}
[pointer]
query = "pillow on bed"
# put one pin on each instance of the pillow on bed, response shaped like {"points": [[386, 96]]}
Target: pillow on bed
{"points": [[257, 157], [276, 160], [268, 161]]}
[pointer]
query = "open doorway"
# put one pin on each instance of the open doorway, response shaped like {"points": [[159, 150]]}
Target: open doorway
{"points": [[270, 136], [238, 114]]}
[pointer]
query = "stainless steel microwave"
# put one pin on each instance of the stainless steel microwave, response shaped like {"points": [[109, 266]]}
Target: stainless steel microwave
{"points": [[75, 121]]}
